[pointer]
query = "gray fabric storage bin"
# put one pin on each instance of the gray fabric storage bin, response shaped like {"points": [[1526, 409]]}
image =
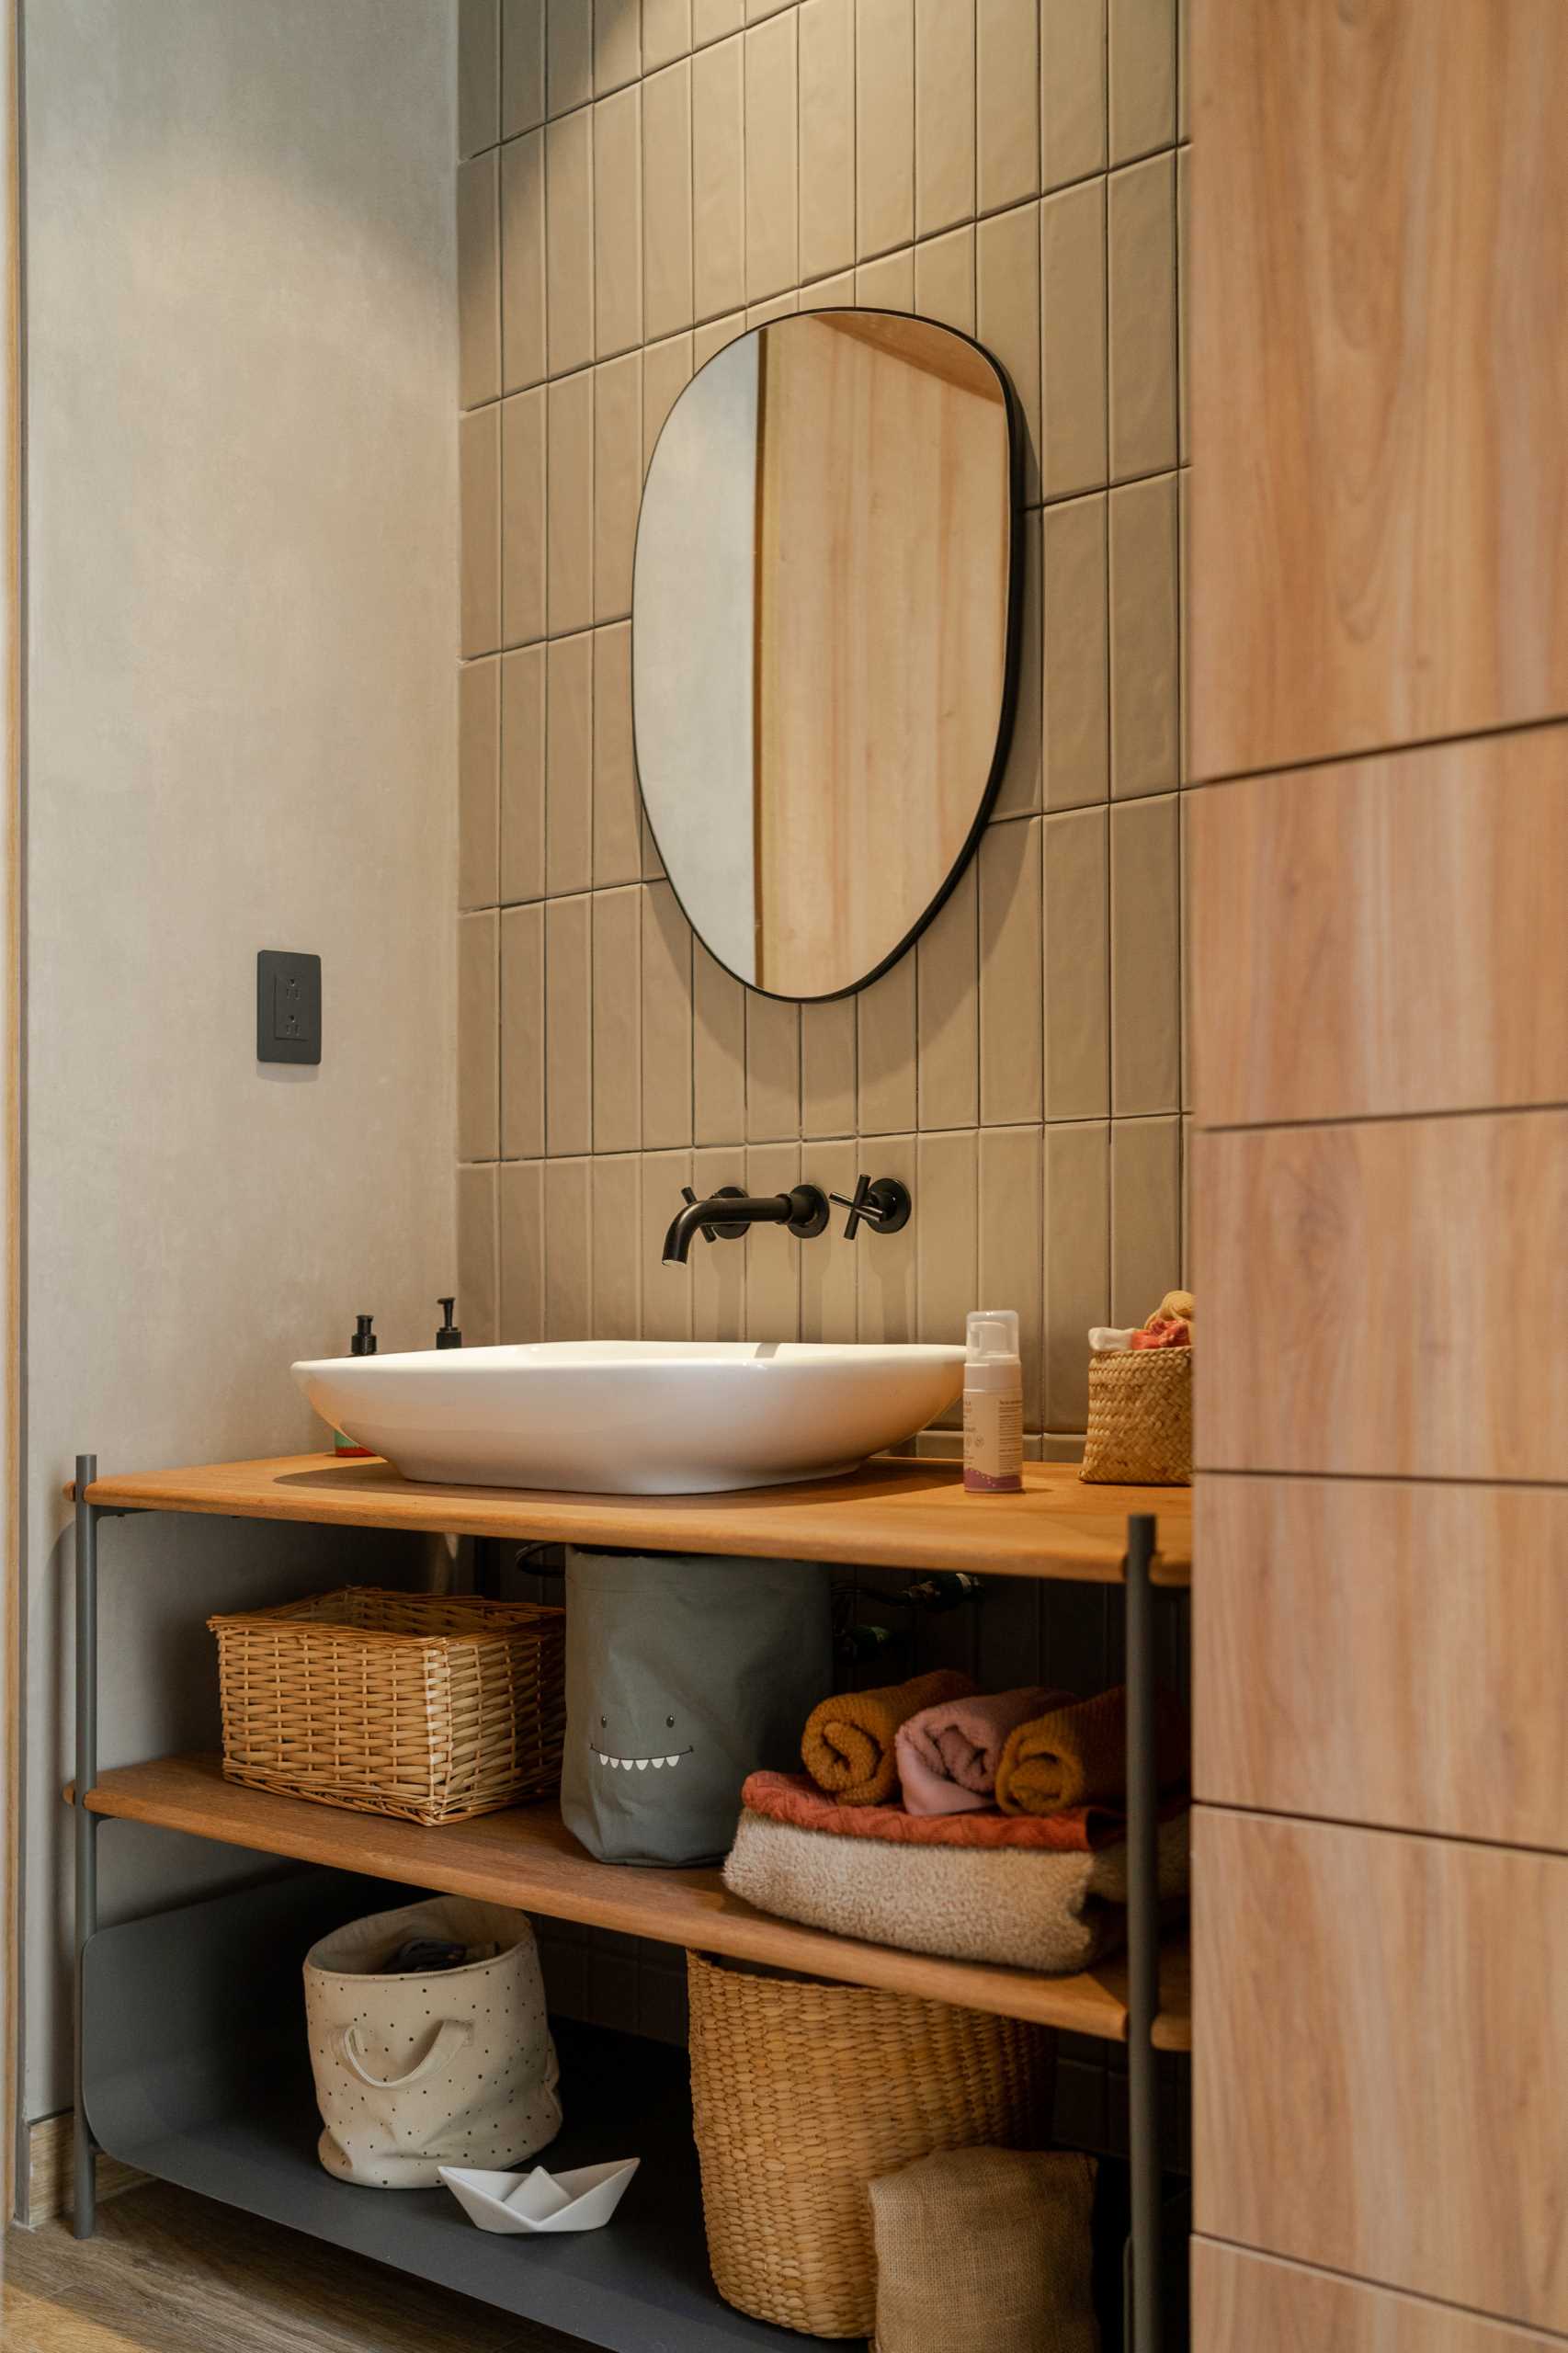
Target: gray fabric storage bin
{"points": [[684, 1673]]}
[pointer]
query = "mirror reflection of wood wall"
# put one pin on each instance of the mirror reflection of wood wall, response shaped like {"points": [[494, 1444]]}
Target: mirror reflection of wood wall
{"points": [[882, 553]]}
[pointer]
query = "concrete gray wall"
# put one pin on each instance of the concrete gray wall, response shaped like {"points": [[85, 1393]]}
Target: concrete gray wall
{"points": [[241, 552]]}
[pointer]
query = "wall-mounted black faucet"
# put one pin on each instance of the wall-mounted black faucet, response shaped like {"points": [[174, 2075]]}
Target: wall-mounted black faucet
{"points": [[727, 1214]]}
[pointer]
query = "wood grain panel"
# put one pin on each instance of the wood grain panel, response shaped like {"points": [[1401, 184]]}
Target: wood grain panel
{"points": [[1387, 1298], [1253, 2303], [1378, 375], [1388, 1654], [1381, 2068], [1386, 936]]}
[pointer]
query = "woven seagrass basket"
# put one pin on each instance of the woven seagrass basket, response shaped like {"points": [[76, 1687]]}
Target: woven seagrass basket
{"points": [[425, 1706], [803, 2093], [1140, 1431]]}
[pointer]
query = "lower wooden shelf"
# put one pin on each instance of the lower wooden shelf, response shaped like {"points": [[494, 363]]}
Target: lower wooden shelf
{"points": [[528, 1858]]}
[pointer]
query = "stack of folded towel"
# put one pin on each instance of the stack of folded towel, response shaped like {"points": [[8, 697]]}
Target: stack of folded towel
{"points": [[983, 1826]]}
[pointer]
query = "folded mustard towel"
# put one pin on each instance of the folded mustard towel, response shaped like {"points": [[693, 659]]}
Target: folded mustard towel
{"points": [[1077, 1755], [847, 1746]]}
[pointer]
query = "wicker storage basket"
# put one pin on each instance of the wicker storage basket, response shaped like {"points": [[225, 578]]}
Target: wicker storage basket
{"points": [[803, 2093], [1139, 1430], [425, 1706]]}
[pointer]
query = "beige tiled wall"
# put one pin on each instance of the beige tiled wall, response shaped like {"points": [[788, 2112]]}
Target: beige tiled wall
{"points": [[641, 179]]}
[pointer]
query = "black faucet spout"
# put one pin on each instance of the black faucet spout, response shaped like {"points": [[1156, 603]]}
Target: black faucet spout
{"points": [[730, 1211]]}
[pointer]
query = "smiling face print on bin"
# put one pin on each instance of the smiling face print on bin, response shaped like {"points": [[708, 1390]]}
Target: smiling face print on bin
{"points": [[625, 1746]]}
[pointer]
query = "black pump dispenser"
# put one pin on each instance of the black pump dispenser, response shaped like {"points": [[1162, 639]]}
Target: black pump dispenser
{"points": [[363, 1342], [449, 1336]]}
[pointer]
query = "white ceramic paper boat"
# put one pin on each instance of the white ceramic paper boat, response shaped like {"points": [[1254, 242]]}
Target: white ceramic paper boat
{"points": [[540, 2200]]}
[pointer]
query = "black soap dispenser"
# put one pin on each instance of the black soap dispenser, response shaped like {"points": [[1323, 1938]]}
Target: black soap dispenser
{"points": [[449, 1336], [361, 1343]]}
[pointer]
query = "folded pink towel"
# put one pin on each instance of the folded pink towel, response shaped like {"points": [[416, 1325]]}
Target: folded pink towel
{"points": [[947, 1755]]}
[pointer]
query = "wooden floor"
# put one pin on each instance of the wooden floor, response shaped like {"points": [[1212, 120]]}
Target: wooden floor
{"points": [[173, 2273]]}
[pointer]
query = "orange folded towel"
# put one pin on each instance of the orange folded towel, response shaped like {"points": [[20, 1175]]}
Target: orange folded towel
{"points": [[1077, 1755], [847, 1746]]}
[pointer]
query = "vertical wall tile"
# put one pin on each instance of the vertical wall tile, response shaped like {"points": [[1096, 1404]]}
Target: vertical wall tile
{"points": [[617, 1268], [1073, 90], [667, 1290], [884, 125], [1077, 1265], [771, 132], [887, 284], [522, 774], [944, 114], [948, 1251], [1022, 777], [1008, 281], [712, 19], [666, 1018], [617, 844], [479, 783], [522, 66], [1077, 966], [569, 766], [617, 223], [666, 32], [773, 1255], [836, 293], [617, 482], [479, 75], [478, 1025], [1142, 57], [479, 281], [568, 1044], [568, 54], [618, 1025], [569, 242], [719, 1050], [827, 1068], [887, 1280], [717, 1271], [1141, 236], [521, 1314], [948, 961], [479, 478], [568, 1249], [773, 1068], [1146, 670], [1184, 69], [618, 44], [1011, 1223], [885, 1050], [522, 1032], [828, 1263], [522, 262], [1184, 177], [944, 279], [666, 371], [718, 180], [1145, 882], [1073, 299], [666, 202], [1008, 101], [827, 136], [1145, 1192], [523, 434], [569, 538], [1011, 1051], [1076, 685], [476, 1254]]}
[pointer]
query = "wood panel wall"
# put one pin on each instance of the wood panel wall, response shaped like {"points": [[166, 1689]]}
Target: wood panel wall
{"points": [[1378, 682]]}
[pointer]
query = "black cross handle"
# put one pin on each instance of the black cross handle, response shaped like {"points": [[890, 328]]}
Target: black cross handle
{"points": [[880, 1202]]}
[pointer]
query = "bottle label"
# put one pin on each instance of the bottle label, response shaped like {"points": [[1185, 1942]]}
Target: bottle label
{"points": [[992, 1443]]}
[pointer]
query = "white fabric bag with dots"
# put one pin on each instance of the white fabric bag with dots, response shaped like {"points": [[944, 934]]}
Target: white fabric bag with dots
{"points": [[456, 2068]]}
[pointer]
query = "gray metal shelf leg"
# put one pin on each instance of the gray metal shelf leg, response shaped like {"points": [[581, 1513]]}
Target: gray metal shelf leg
{"points": [[1143, 2319], [85, 2213]]}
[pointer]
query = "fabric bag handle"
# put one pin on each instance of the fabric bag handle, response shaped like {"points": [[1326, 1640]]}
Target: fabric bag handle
{"points": [[452, 2036]]}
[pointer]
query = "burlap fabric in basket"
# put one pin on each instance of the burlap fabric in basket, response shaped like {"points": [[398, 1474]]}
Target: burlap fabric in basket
{"points": [[429, 1707], [1140, 1431], [803, 2093], [986, 2251]]}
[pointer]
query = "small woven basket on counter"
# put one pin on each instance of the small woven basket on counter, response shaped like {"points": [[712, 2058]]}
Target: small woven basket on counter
{"points": [[803, 2093], [429, 1707], [1140, 1432]]}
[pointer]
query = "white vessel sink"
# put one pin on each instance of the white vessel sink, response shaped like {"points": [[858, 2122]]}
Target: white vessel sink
{"points": [[634, 1417]]}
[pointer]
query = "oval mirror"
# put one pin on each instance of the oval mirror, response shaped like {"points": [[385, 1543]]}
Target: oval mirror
{"points": [[824, 639]]}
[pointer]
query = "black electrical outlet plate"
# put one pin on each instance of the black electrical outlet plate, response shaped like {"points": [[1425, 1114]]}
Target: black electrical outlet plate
{"points": [[287, 1006]]}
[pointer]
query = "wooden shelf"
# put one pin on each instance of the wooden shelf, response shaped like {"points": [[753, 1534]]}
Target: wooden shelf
{"points": [[895, 1513], [527, 1858]]}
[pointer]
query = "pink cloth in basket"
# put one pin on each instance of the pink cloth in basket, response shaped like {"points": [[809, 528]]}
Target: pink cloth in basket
{"points": [[947, 1755]]}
